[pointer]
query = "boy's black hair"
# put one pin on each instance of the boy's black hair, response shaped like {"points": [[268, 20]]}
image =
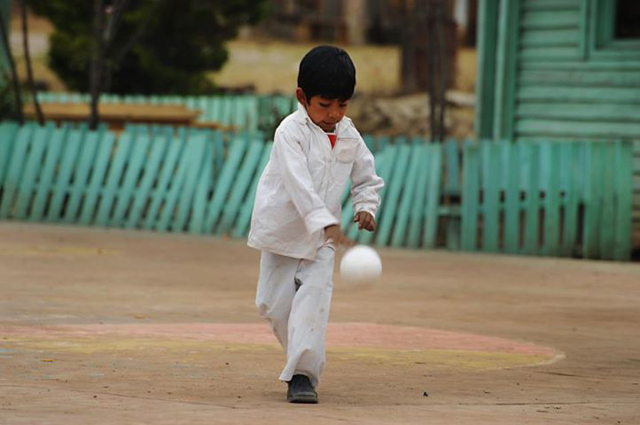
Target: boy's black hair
{"points": [[327, 71]]}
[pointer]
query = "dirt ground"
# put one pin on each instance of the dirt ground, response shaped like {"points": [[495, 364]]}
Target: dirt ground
{"points": [[110, 327]]}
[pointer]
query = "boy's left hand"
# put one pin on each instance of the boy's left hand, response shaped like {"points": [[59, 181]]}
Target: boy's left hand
{"points": [[365, 221]]}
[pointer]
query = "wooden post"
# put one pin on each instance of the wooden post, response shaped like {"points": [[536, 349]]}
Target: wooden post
{"points": [[27, 59], [487, 42], [97, 60], [4, 34]]}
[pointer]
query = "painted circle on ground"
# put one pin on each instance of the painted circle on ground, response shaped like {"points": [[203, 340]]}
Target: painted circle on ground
{"points": [[391, 344]]}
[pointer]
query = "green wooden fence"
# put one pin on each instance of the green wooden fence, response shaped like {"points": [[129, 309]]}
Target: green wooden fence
{"points": [[554, 199], [194, 181], [524, 198]]}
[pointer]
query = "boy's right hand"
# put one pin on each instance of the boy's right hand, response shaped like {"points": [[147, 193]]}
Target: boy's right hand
{"points": [[334, 232]]}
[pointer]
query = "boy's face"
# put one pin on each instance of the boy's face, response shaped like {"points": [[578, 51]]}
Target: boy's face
{"points": [[325, 113]]}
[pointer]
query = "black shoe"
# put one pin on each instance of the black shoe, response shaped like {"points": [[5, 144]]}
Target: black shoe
{"points": [[301, 391]]}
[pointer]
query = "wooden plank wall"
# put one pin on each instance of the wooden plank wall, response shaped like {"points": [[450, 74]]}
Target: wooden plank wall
{"points": [[561, 91], [551, 81]]}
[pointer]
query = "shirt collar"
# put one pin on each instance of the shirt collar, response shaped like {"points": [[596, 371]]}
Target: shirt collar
{"points": [[303, 117]]}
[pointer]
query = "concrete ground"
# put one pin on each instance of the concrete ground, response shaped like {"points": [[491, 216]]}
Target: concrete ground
{"points": [[110, 327]]}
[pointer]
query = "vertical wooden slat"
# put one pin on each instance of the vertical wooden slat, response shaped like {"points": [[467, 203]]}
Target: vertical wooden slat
{"points": [[572, 195], [216, 108], [33, 166], [47, 177], [94, 189], [122, 152], [81, 174], [491, 196], [127, 190], [608, 182], [218, 152], [14, 172], [167, 215], [224, 182], [370, 142], [407, 197], [623, 195], [592, 200], [512, 201], [151, 172], [198, 145], [202, 190], [253, 115], [470, 196], [395, 187], [381, 143], [419, 194], [452, 161], [551, 245], [8, 133], [239, 189], [244, 217], [68, 162], [238, 118], [566, 154], [433, 197], [225, 112], [453, 190], [532, 201], [167, 173]]}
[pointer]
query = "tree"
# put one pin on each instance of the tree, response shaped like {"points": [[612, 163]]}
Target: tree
{"points": [[6, 47], [27, 59], [159, 46]]}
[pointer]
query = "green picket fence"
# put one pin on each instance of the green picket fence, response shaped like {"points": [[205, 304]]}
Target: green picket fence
{"points": [[523, 198], [196, 181], [163, 181], [554, 199], [244, 112]]}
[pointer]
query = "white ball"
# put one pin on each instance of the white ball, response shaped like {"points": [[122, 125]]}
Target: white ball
{"points": [[360, 264]]}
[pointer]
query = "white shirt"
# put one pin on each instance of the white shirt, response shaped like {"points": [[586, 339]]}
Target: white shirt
{"points": [[300, 190]]}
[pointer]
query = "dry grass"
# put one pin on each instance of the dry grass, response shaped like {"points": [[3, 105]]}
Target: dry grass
{"points": [[41, 73], [272, 66], [465, 79]]}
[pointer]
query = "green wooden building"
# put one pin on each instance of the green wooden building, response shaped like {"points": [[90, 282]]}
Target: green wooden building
{"points": [[560, 70]]}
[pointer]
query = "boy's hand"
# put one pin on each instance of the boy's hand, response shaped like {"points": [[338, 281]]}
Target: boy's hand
{"points": [[334, 233], [365, 221]]}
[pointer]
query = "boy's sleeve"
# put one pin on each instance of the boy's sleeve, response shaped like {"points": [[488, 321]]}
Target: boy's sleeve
{"points": [[292, 163], [365, 183]]}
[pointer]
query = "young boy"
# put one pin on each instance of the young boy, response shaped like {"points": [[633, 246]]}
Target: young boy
{"points": [[296, 216]]}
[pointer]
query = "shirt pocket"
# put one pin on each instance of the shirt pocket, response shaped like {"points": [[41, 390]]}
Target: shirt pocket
{"points": [[343, 164], [346, 153]]}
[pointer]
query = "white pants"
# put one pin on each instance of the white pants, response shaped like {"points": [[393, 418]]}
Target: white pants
{"points": [[294, 296]]}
